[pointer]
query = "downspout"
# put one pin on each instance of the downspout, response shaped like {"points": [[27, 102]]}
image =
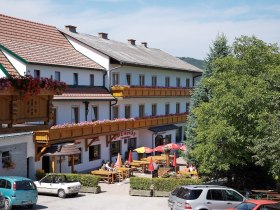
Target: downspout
{"points": [[110, 111], [104, 78]]}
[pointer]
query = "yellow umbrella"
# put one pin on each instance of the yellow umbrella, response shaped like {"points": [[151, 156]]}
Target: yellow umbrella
{"points": [[143, 150]]}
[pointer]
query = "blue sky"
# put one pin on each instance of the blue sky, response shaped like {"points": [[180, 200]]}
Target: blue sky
{"points": [[179, 27]]}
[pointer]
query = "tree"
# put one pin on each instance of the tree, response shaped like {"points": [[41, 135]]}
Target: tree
{"points": [[202, 91], [244, 101]]}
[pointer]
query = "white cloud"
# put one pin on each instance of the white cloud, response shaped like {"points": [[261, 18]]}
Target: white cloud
{"points": [[179, 31]]}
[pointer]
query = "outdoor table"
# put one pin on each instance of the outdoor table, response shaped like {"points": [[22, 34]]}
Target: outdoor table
{"points": [[108, 176], [125, 172], [142, 164]]}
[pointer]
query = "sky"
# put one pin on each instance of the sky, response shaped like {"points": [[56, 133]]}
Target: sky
{"points": [[183, 28]]}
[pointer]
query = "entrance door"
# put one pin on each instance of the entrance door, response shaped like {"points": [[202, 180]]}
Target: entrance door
{"points": [[46, 164], [158, 142]]}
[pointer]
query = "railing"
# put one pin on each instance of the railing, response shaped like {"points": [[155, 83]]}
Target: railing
{"points": [[77, 131], [16, 110], [128, 91]]}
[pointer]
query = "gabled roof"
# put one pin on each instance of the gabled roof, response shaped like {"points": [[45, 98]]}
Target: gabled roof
{"points": [[133, 54], [40, 44], [86, 93], [7, 65]]}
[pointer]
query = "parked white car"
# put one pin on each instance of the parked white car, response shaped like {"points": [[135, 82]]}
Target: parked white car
{"points": [[58, 184]]}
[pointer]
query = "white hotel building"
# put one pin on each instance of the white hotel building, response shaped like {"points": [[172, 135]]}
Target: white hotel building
{"points": [[107, 80]]}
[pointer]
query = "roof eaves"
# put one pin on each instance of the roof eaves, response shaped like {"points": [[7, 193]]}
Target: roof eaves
{"points": [[4, 70], [12, 53], [56, 65]]}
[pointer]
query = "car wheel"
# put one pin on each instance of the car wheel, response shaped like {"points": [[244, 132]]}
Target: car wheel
{"points": [[61, 193], [8, 205], [32, 206]]}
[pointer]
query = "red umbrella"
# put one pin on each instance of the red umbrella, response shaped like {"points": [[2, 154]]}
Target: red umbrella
{"points": [[130, 157], [159, 148], [173, 146], [183, 148], [174, 160], [151, 165], [119, 161]]}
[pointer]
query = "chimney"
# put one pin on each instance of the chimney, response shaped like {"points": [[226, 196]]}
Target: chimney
{"points": [[144, 44], [131, 41], [71, 28], [103, 35]]}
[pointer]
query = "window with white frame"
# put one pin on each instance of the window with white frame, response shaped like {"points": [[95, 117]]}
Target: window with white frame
{"points": [[94, 113], [178, 82], [141, 110], [177, 108], [154, 109], [154, 81], [94, 152], [142, 80], [75, 115], [115, 112], [127, 111], [187, 83], [128, 79], [167, 108], [91, 79], [75, 79], [57, 76], [115, 79], [167, 81]]}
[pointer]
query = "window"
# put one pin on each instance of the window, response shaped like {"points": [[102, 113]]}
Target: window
{"points": [[116, 148], [57, 76], [187, 107], [187, 83], [37, 74], [142, 80], [131, 144], [75, 79], [94, 113], [75, 115], [141, 110], [154, 109], [6, 157], [128, 79], [127, 111], [115, 112], [154, 81], [91, 79], [54, 116], [179, 134], [94, 152], [167, 139], [216, 195], [167, 82], [77, 158], [177, 108], [5, 184], [178, 82], [115, 78], [232, 196], [167, 109]]}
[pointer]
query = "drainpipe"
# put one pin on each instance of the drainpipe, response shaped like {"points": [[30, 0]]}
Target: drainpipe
{"points": [[110, 111]]}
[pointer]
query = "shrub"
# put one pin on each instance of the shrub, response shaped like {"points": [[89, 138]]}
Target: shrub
{"points": [[139, 183], [39, 174], [86, 180]]}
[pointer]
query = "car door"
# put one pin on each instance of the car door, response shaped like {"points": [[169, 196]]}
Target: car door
{"points": [[215, 199], [45, 185], [232, 198]]}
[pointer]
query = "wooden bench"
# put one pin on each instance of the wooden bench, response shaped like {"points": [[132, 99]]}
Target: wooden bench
{"points": [[108, 176]]}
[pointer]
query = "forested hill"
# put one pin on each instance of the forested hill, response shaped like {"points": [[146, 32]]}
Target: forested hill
{"points": [[196, 62]]}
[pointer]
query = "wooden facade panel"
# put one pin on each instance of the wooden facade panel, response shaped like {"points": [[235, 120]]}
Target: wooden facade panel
{"points": [[5, 110]]}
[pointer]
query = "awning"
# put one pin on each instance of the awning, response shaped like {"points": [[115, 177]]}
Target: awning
{"points": [[163, 128], [61, 150]]}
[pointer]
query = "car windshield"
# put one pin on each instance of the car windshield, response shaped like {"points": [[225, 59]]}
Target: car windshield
{"points": [[245, 206], [25, 185]]}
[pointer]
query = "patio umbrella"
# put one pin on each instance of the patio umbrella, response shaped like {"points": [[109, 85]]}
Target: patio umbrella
{"points": [[151, 165], [119, 161], [130, 157], [183, 148], [143, 150], [173, 146], [159, 148]]}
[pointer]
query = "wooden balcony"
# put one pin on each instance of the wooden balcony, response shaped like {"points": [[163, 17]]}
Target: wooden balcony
{"points": [[15, 111], [90, 131], [127, 91]]}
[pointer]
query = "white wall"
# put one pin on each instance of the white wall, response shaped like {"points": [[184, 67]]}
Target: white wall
{"points": [[19, 65]]}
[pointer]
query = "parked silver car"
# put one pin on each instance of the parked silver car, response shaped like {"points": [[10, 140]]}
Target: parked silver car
{"points": [[204, 197]]}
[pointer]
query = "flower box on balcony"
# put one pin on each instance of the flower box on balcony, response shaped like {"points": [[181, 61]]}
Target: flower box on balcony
{"points": [[87, 130], [132, 92], [168, 92], [122, 125], [114, 126], [169, 119], [145, 92], [139, 91], [165, 120], [162, 92], [142, 123], [54, 134], [173, 92], [106, 127], [157, 92], [96, 129], [129, 124], [136, 124], [152, 92], [148, 122], [65, 132], [77, 131], [155, 121]]}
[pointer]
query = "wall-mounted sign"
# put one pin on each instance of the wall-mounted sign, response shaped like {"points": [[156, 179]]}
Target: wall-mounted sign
{"points": [[125, 135]]}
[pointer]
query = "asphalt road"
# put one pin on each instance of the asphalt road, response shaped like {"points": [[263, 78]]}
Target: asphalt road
{"points": [[113, 197]]}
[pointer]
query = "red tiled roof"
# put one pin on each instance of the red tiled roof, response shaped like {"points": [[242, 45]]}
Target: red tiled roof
{"points": [[40, 44], [86, 93], [7, 65]]}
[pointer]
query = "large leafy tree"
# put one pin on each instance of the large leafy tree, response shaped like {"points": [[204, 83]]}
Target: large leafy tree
{"points": [[202, 91], [239, 124]]}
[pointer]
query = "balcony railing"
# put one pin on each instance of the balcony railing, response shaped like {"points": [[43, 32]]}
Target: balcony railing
{"points": [[130, 91], [93, 129], [16, 110]]}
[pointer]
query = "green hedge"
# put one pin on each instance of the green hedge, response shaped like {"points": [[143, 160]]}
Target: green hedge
{"points": [[160, 184]]}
